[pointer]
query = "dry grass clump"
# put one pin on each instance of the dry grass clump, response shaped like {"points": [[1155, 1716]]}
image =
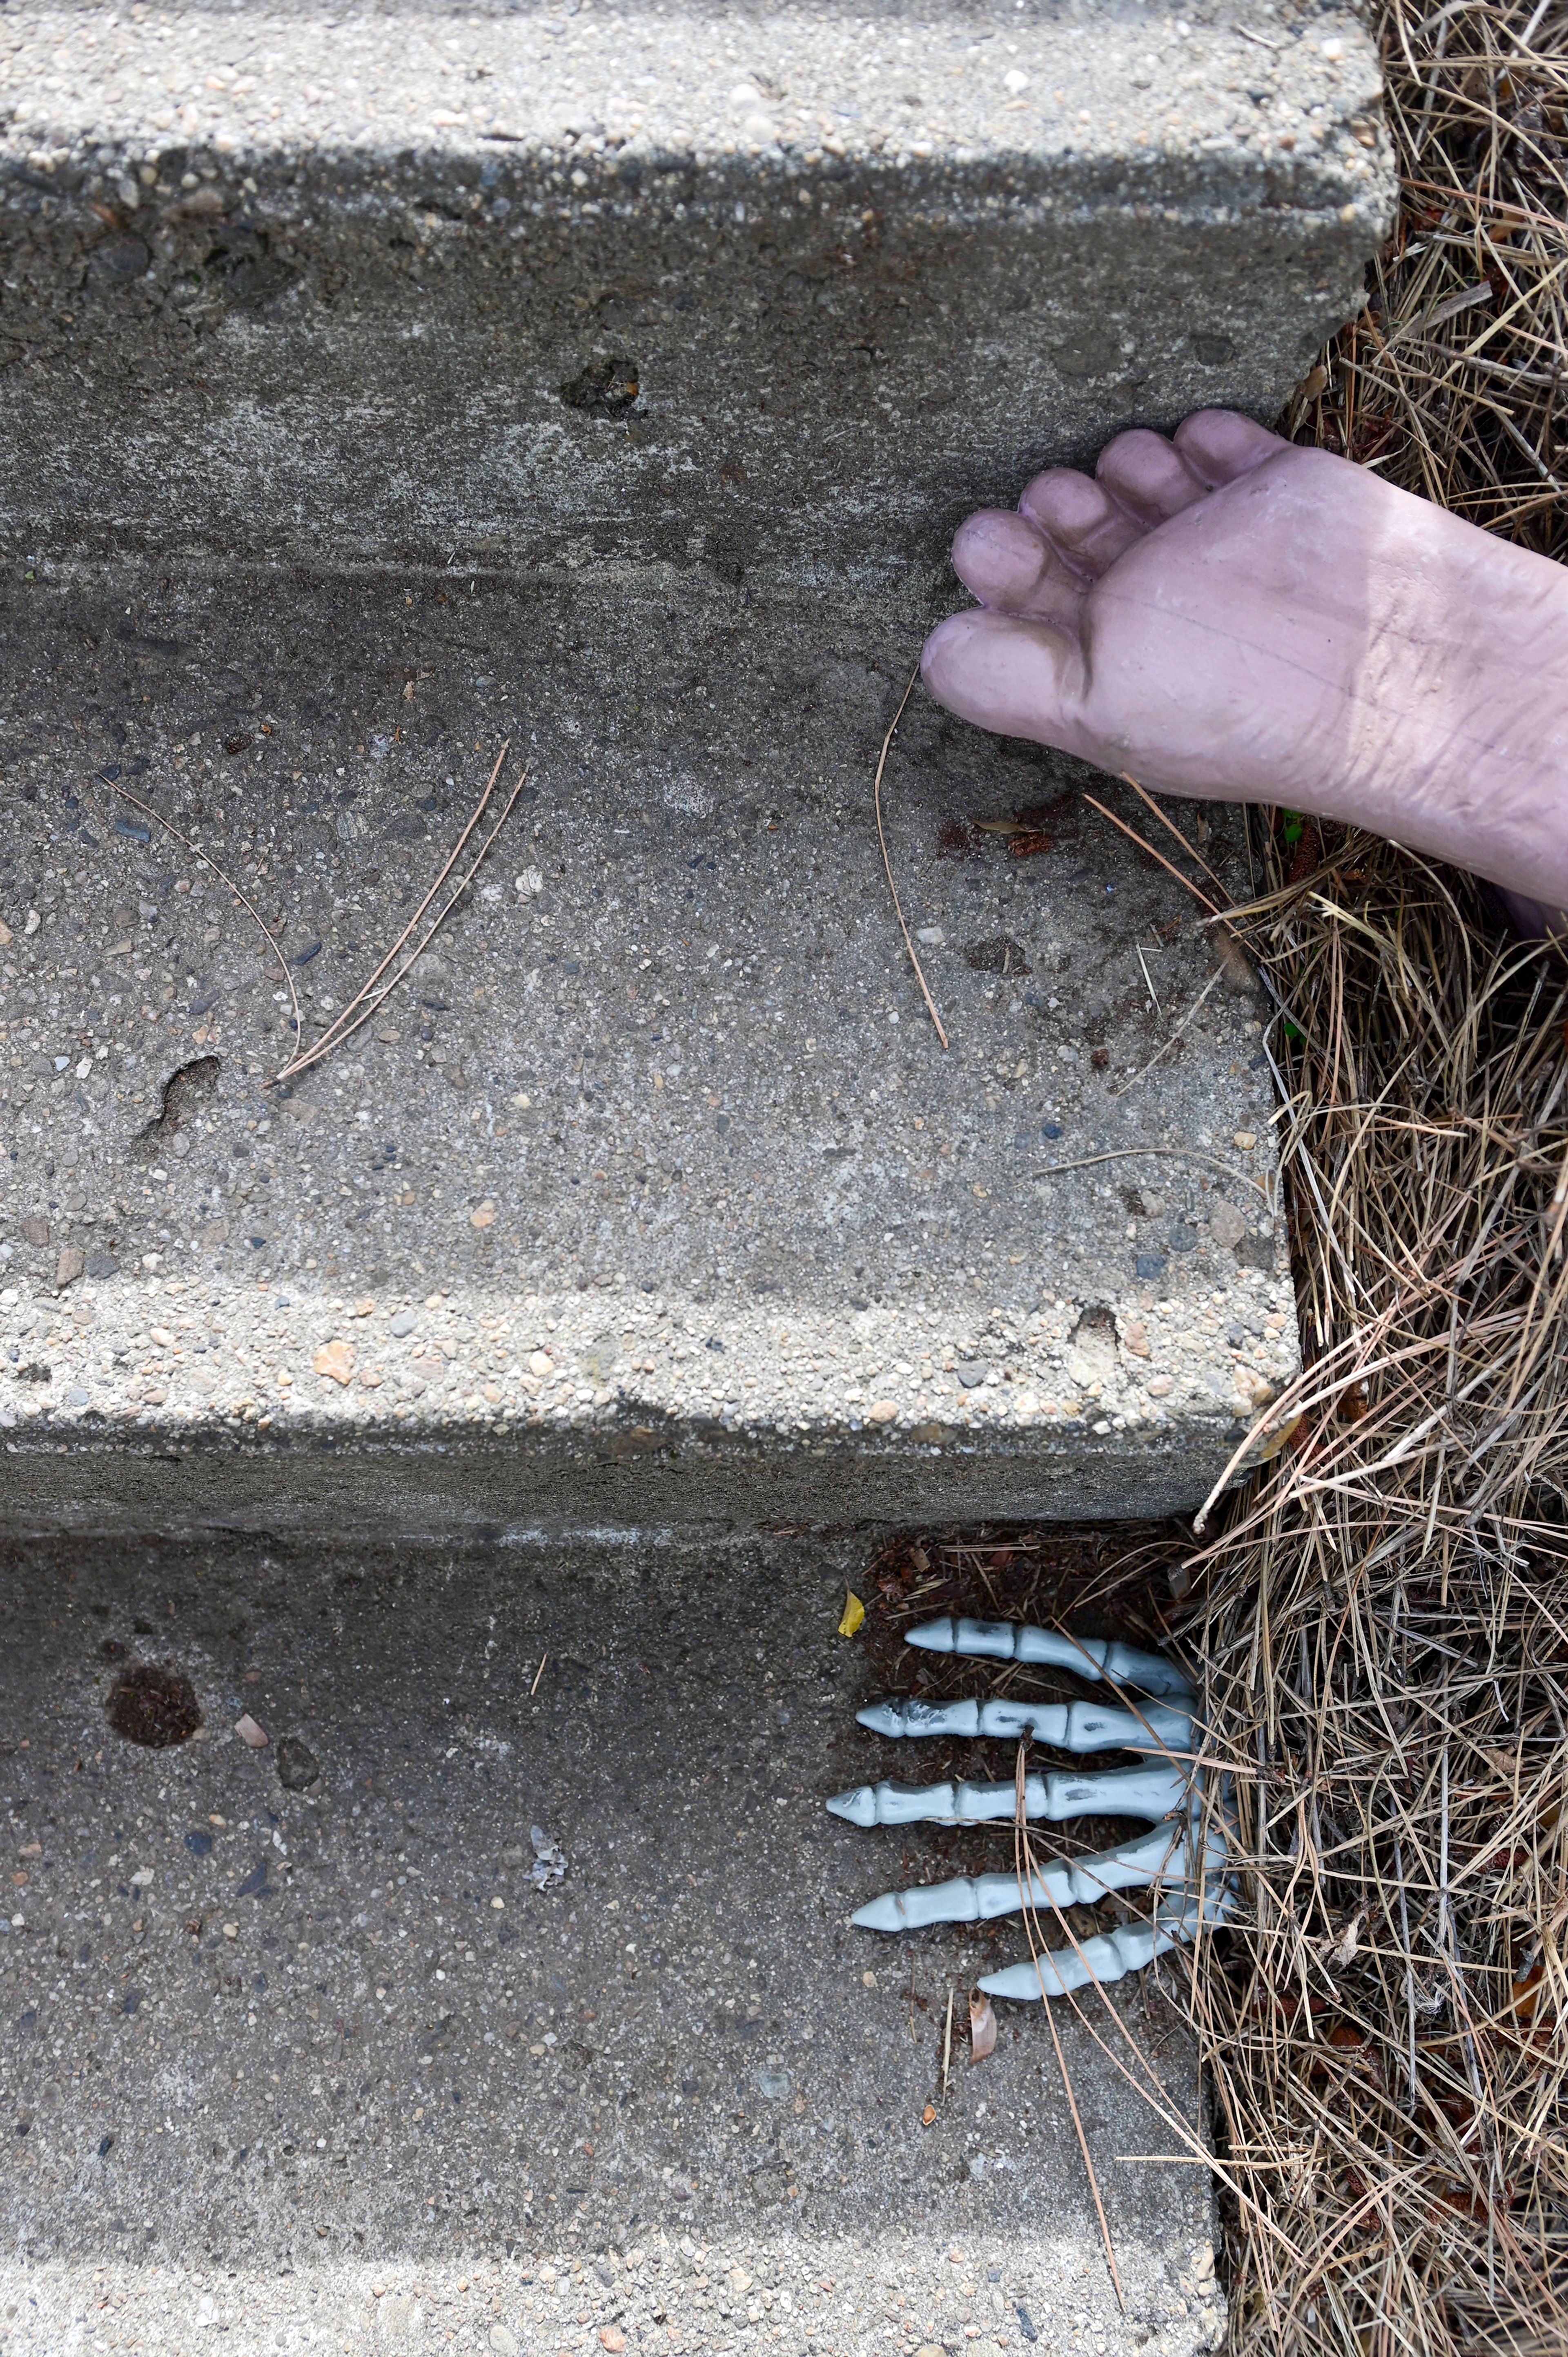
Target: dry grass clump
{"points": [[1383, 1634], [1452, 382], [1383, 1625]]}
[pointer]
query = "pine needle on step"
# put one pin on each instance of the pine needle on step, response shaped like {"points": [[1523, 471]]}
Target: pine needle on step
{"points": [[886, 862]]}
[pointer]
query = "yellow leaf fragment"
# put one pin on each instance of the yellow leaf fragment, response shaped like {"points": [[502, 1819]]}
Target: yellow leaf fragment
{"points": [[854, 1614]]}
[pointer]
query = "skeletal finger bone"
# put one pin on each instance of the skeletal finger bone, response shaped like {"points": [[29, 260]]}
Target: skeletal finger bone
{"points": [[1068, 1727], [1187, 1854], [1153, 1792], [1110, 1954], [1091, 1657], [1172, 1854]]}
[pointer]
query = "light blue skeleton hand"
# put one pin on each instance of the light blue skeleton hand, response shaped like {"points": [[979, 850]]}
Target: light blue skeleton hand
{"points": [[1185, 1856]]}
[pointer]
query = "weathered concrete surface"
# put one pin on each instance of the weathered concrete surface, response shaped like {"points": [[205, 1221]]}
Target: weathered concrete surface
{"points": [[321, 2068], [653, 1195], [313, 287], [322, 472]]}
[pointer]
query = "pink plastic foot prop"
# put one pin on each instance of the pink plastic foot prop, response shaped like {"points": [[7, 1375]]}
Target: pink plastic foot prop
{"points": [[1227, 615]]}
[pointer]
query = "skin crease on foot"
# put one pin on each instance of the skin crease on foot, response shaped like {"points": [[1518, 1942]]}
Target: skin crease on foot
{"points": [[1227, 615]]}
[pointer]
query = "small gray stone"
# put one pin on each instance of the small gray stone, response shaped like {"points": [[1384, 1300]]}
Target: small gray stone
{"points": [[549, 1861], [403, 1323], [298, 1767], [1226, 1223], [971, 1373], [115, 261], [774, 2084], [504, 2340]]}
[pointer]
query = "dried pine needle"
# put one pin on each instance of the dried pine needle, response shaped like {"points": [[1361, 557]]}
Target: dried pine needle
{"points": [[886, 862]]}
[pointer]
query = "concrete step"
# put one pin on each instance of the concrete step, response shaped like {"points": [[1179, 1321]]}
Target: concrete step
{"points": [[323, 473], [359, 286], [278, 2067], [651, 1196]]}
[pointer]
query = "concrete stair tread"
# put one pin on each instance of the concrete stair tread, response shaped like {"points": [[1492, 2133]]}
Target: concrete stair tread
{"points": [[370, 2094], [658, 1158], [962, 83]]}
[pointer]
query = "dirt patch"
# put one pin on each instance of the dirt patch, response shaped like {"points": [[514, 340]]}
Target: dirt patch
{"points": [[609, 386], [186, 1087], [1002, 954], [153, 1706]]}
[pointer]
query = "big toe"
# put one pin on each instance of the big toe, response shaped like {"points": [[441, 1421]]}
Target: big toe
{"points": [[1219, 445], [1019, 678]]}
